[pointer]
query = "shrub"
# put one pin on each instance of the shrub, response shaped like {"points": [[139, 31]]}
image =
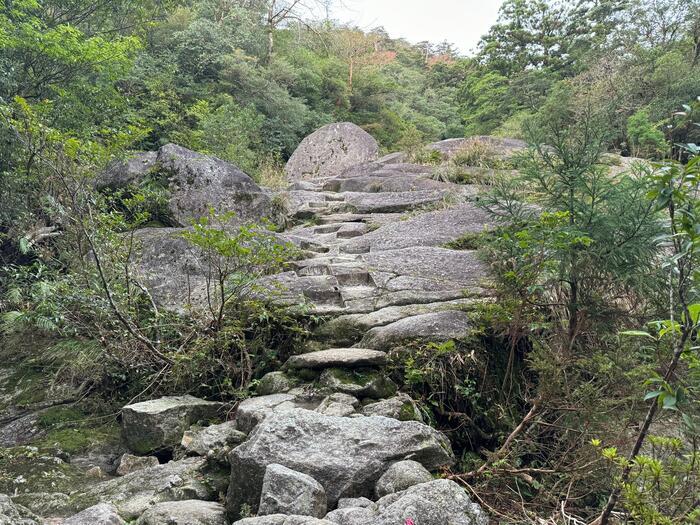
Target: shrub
{"points": [[644, 137]]}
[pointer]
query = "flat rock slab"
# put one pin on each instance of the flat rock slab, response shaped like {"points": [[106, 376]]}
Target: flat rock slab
{"points": [[430, 264], [393, 202], [330, 150], [438, 502], [434, 228], [433, 327], [345, 455], [188, 512], [160, 423], [338, 357]]}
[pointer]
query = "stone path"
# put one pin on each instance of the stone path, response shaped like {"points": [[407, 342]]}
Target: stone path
{"points": [[329, 440]]}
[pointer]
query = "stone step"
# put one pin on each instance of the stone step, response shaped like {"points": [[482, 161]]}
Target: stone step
{"points": [[337, 358]]}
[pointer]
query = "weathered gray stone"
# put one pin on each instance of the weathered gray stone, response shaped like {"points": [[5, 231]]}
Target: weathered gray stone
{"points": [[13, 514], [360, 503], [400, 407], [282, 519], [427, 229], [345, 455], [189, 478], [163, 251], [253, 410], [380, 183], [338, 404], [437, 502], [286, 491], [44, 503], [338, 357], [121, 173], [434, 327], [199, 182], [393, 202], [188, 512], [393, 158], [348, 329], [273, 383], [358, 382], [100, 514], [400, 476], [213, 441], [160, 423], [330, 150], [462, 269], [129, 463]]}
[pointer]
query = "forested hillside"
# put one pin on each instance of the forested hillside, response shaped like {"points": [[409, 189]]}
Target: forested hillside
{"points": [[259, 267]]}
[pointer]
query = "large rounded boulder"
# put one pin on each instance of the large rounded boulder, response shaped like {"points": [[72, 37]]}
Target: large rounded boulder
{"points": [[330, 150]]}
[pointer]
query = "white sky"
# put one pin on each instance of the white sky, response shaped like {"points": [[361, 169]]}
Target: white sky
{"points": [[461, 22]]}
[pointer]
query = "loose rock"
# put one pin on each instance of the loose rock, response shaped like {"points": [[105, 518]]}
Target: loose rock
{"points": [[214, 441], [435, 503], [400, 407], [160, 423], [400, 476], [273, 383], [286, 491], [345, 455]]}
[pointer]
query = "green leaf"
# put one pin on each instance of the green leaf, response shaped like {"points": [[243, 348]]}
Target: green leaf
{"points": [[652, 395]]}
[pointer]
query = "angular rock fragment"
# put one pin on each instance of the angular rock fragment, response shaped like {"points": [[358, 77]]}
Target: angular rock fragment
{"points": [[286, 491], [160, 423]]}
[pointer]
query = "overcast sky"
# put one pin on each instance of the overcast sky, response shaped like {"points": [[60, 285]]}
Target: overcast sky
{"points": [[461, 22]]}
